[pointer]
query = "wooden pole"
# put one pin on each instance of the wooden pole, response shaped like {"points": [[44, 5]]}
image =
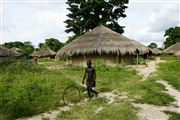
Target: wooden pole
{"points": [[137, 60]]}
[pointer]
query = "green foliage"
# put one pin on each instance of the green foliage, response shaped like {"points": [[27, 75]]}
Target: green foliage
{"points": [[168, 57], [151, 93], [115, 111], [87, 14], [153, 45], [52, 43], [169, 71], [173, 115], [26, 47], [173, 36], [27, 89]]}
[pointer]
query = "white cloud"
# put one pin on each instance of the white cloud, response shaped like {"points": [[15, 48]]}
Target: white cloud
{"points": [[147, 22], [34, 22], [164, 18]]}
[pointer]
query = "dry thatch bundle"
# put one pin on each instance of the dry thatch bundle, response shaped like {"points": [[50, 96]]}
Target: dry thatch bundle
{"points": [[177, 53], [44, 52], [102, 40], [155, 51], [5, 52], [172, 49]]}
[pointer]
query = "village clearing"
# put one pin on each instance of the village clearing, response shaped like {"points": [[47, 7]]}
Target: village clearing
{"points": [[145, 95]]}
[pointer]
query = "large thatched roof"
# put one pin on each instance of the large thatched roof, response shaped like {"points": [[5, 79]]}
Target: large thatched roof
{"points": [[44, 52], [5, 52], [177, 53], [155, 51], [172, 49], [102, 40]]}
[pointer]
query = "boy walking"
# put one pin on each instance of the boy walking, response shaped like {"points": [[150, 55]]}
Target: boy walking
{"points": [[90, 73]]}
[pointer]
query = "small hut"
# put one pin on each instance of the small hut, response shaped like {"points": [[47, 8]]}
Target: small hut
{"points": [[105, 44], [155, 51], [7, 55], [177, 54], [44, 53], [172, 49]]}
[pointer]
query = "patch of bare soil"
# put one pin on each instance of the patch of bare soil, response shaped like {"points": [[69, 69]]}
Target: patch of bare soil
{"points": [[152, 112], [148, 69]]}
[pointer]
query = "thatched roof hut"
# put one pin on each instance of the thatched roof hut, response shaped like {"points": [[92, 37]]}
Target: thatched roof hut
{"points": [[44, 52], [5, 52], [102, 41], [155, 51], [177, 53], [7, 55], [172, 49]]}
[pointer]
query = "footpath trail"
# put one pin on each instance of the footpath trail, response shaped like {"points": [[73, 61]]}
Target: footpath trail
{"points": [[148, 69], [152, 112]]}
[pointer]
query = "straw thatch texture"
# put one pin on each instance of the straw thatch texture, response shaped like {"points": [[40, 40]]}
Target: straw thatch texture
{"points": [[177, 53], [155, 51], [172, 49], [5, 52], [102, 40], [44, 52]]}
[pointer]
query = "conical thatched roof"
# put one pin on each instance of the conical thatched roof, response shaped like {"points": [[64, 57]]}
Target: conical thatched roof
{"points": [[155, 51], [44, 52], [5, 52], [102, 40], [172, 49], [177, 53]]}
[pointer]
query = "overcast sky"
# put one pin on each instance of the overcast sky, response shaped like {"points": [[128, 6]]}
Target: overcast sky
{"points": [[35, 21]]}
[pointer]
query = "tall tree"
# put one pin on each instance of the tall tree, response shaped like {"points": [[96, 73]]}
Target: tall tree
{"points": [[153, 45], [87, 14], [52, 43], [172, 36], [26, 47]]}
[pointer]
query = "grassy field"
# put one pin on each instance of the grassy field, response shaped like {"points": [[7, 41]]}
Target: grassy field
{"points": [[26, 89], [121, 79], [168, 57], [170, 71]]}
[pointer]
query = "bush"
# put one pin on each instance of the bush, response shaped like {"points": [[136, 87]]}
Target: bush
{"points": [[27, 89]]}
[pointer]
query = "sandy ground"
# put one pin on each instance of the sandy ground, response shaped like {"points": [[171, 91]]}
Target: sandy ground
{"points": [[152, 112], [148, 69]]}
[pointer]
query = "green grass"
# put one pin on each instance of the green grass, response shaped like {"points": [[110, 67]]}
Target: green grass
{"points": [[26, 89], [173, 115], [50, 62], [151, 92], [170, 71], [121, 79], [168, 57], [115, 111]]}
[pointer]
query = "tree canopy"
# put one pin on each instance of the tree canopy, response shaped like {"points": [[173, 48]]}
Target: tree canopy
{"points": [[172, 36], [152, 45], [26, 47], [87, 14], [52, 43]]}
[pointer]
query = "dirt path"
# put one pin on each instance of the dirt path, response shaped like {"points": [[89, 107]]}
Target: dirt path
{"points": [[152, 112], [148, 69]]}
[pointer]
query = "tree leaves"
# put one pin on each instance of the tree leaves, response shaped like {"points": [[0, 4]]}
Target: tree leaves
{"points": [[173, 36], [87, 14]]}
